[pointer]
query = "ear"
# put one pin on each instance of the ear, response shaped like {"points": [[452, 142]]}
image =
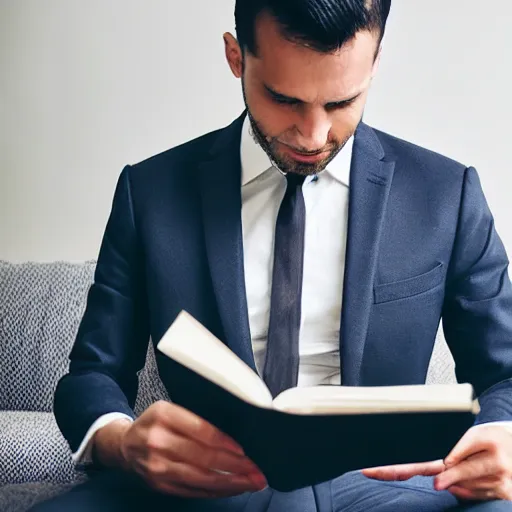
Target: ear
{"points": [[233, 54]]}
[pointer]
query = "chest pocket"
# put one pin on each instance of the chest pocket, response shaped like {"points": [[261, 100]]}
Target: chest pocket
{"points": [[409, 287]]}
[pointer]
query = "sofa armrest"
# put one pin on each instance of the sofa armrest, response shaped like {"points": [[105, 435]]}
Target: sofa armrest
{"points": [[32, 449]]}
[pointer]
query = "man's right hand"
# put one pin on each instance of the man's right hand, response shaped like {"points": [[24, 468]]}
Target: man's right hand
{"points": [[178, 453]]}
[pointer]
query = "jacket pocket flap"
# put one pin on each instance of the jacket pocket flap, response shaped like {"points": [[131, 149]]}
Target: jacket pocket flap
{"points": [[409, 287]]}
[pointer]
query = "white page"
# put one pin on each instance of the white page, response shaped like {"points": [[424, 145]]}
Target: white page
{"points": [[189, 343], [366, 400]]}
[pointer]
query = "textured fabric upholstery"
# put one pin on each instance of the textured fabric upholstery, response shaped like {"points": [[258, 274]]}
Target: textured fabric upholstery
{"points": [[32, 449], [151, 388], [41, 305], [442, 365], [22, 497], [40, 309]]}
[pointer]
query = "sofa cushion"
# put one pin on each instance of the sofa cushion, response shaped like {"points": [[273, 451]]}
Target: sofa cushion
{"points": [[40, 310], [33, 450], [22, 497]]}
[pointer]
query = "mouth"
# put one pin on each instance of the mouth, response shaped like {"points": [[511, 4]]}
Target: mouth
{"points": [[309, 158]]}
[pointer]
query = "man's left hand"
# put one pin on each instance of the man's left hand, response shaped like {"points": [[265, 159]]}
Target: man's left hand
{"points": [[478, 468]]}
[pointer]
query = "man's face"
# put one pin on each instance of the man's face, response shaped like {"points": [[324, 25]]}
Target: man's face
{"points": [[303, 105]]}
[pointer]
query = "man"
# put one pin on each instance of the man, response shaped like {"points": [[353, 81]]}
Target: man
{"points": [[274, 232]]}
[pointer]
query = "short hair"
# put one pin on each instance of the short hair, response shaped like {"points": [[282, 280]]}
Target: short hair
{"points": [[324, 25]]}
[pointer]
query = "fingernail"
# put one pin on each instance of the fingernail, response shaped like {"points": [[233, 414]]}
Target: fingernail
{"points": [[258, 480]]}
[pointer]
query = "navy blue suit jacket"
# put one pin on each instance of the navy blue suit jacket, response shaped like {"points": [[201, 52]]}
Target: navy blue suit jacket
{"points": [[421, 246]]}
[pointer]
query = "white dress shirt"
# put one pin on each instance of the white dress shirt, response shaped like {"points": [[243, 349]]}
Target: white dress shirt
{"points": [[326, 200]]}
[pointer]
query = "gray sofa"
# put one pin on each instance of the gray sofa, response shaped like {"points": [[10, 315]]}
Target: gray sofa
{"points": [[40, 310], [41, 306]]}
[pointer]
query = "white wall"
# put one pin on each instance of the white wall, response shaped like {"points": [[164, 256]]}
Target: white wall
{"points": [[86, 87]]}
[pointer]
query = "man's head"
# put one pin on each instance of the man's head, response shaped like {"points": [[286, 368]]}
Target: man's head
{"points": [[306, 68]]}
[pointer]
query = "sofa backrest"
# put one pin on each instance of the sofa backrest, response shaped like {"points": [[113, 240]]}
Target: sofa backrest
{"points": [[41, 305]]}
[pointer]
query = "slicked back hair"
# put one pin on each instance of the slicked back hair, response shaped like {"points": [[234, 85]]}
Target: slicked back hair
{"points": [[323, 25]]}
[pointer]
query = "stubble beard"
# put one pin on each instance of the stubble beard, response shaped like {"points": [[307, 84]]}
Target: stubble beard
{"points": [[269, 145]]}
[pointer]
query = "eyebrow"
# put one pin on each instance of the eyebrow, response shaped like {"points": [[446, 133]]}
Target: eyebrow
{"points": [[297, 101]]}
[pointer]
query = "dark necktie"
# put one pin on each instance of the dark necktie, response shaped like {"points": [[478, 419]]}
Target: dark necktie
{"points": [[281, 368]]}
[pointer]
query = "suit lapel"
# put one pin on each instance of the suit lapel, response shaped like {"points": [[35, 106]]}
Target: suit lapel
{"points": [[370, 181], [220, 187]]}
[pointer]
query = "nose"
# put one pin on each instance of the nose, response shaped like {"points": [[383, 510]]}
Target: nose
{"points": [[313, 128]]}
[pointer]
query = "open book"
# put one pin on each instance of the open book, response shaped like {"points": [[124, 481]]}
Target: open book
{"points": [[193, 346], [296, 437]]}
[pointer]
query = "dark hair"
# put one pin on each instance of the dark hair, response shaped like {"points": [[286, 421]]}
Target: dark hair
{"points": [[325, 25]]}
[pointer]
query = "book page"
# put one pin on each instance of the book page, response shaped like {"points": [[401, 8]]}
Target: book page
{"points": [[189, 343], [368, 400]]}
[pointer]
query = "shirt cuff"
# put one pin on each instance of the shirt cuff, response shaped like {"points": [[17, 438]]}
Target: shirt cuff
{"points": [[84, 453]]}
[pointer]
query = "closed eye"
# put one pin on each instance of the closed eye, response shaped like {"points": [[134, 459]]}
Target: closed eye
{"points": [[283, 100], [280, 99], [340, 104]]}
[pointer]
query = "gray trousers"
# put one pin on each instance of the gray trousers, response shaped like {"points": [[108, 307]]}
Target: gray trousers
{"points": [[116, 492]]}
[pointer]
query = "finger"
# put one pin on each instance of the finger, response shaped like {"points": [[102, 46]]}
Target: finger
{"points": [[172, 446], [470, 495], [181, 449], [405, 471], [480, 484], [475, 440], [212, 481], [462, 493], [190, 425], [163, 475], [476, 466]]}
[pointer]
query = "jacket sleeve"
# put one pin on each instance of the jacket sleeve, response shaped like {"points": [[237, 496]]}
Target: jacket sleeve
{"points": [[113, 336], [477, 313]]}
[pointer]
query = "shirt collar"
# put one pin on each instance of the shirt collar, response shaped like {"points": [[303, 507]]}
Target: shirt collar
{"points": [[255, 161]]}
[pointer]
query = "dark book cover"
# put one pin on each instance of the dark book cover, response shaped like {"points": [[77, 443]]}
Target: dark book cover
{"points": [[295, 451]]}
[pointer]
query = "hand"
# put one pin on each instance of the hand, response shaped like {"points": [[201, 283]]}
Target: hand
{"points": [[178, 453], [478, 468]]}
